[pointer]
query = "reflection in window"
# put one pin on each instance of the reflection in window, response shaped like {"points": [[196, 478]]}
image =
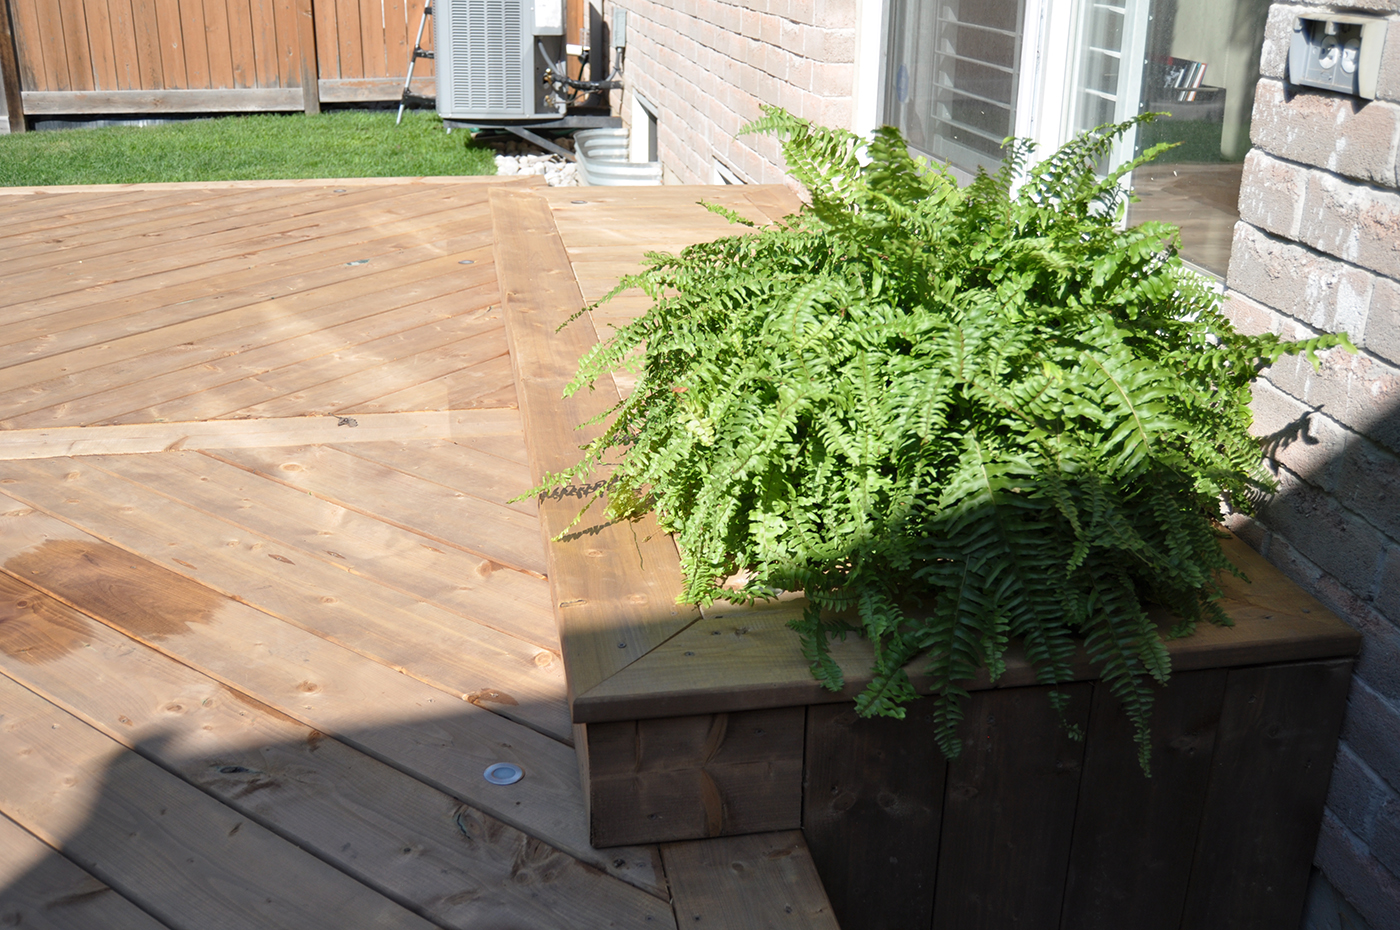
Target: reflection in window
{"points": [[952, 77], [1197, 60]]}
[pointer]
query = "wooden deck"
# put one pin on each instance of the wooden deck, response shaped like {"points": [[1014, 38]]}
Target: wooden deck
{"points": [[268, 609]]}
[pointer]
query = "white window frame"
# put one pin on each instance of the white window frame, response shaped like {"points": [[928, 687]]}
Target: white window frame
{"points": [[1050, 51]]}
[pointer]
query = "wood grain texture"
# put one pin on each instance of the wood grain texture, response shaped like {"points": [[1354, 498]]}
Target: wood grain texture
{"points": [[763, 881], [443, 741], [259, 433], [468, 661], [475, 589], [463, 867], [1137, 877], [1008, 818], [133, 826], [155, 371], [493, 531], [1275, 744], [308, 76], [163, 100], [738, 657], [10, 80], [872, 811], [41, 889], [614, 587], [73, 18], [694, 777]]}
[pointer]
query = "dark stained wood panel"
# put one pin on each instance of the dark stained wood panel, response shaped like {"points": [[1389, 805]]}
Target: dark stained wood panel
{"points": [[693, 777], [871, 812], [1008, 818], [1138, 877], [1275, 744]]}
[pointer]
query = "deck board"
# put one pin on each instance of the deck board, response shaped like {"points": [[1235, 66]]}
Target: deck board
{"points": [[44, 890], [142, 827], [262, 566], [254, 339], [364, 817], [117, 500]]}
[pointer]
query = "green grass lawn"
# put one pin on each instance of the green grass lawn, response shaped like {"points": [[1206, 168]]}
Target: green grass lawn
{"points": [[338, 144]]}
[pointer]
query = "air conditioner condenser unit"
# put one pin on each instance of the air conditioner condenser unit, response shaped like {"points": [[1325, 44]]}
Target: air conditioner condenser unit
{"points": [[492, 56]]}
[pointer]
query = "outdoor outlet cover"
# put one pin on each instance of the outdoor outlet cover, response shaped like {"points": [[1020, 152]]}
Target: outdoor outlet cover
{"points": [[1337, 53]]}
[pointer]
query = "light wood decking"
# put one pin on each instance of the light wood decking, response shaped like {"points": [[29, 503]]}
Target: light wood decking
{"points": [[268, 607]]}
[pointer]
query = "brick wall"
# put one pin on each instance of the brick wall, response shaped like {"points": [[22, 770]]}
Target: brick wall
{"points": [[706, 66], [1317, 249]]}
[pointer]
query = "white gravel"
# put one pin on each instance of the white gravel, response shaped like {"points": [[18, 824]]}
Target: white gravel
{"points": [[557, 172]]}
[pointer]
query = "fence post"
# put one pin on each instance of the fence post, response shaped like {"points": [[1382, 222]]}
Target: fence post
{"points": [[310, 71], [9, 70]]}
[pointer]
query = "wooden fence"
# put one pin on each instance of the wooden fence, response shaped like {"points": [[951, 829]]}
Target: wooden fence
{"points": [[71, 57]]}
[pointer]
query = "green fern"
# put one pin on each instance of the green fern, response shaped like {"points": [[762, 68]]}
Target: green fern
{"points": [[953, 417]]}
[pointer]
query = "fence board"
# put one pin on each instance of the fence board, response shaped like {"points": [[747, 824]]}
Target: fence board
{"points": [[196, 44], [249, 100], [352, 54], [150, 68], [327, 43], [288, 57], [264, 43], [51, 60], [396, 37], [172, 44], [124, 51], [309, 76], [372, 35], [75, 44], [240, 43], [99, 41], [220, 54], [108, 56]]}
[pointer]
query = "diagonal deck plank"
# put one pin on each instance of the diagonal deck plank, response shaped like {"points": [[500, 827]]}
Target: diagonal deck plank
{"points": [[134, 826], [493, 531], [363, 817], [219, 311], [462, 468], [512, 602], [312, 592], [446, 742], [66, 321], [331, 380], [250, 340], [233, 217], [315, 695], [44, 891], [136, 438]]}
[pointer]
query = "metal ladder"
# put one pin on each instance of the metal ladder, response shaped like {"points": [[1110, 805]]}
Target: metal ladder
{"points": [[418, 52]]}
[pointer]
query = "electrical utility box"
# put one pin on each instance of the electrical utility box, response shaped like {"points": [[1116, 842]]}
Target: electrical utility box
{"points": [[494, 58], [1337, 52]]}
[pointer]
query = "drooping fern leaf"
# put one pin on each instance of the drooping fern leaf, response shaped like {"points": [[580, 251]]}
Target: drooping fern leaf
{"points": [[953, 417]]}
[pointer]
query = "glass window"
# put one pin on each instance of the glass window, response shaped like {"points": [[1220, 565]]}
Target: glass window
{"points": [[952, 77], [1197, 60]]}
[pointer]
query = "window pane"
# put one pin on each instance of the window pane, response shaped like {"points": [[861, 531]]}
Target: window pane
{"points": [[951, 83], [1197, 60]]}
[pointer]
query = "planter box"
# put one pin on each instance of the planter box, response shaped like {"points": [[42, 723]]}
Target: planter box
{"points": [[1028, 828], [692, 725]]}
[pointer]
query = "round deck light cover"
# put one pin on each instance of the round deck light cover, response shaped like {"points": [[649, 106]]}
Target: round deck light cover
{"points": [[503, 773]]}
